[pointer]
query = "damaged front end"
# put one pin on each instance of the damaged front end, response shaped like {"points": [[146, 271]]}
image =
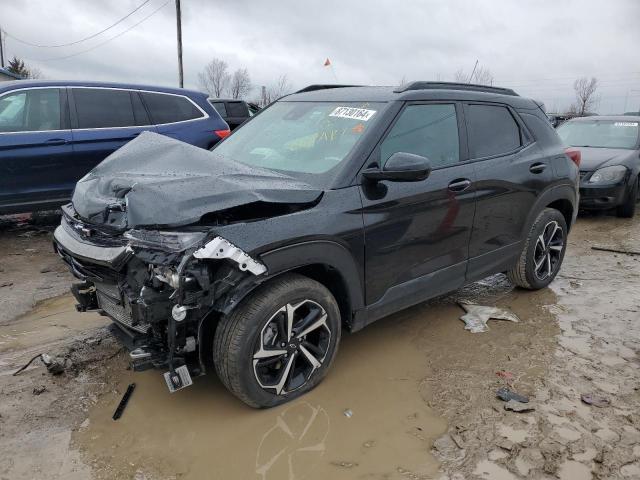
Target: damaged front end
{"points": [[162, 289]]}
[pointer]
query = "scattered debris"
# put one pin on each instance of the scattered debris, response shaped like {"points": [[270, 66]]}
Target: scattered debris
{"points": [[123, 402], [508, 395], [45, 269], [39, 389], [24, 367], [595, 400], [477, 316], [348, 413], [519, 407], [344, 464], [5, 284], [615, 250], [54, 366], [506, 375]]}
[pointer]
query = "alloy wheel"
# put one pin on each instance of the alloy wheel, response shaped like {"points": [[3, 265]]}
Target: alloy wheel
{"points": [[292, 345], [548, 250]]}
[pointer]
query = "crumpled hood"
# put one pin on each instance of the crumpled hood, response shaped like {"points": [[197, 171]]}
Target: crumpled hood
{"points": [[157, 181], [594, 158]]}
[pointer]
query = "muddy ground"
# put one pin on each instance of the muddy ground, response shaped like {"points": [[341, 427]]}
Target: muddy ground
{"points": [[418, 390]]}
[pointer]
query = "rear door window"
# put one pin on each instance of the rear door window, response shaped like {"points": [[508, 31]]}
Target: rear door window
{"points": [[427, 130], [166, 108], [34, 110], [220, 108], [492, 130], [237, 109], [104, 108]]}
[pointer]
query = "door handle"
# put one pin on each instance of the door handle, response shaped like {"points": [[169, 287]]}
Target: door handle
{"points": [[537, 167], [56, 141], [459, 185]]}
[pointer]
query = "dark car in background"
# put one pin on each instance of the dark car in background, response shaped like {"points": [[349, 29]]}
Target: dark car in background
{"points": [[331, 209], [610, 161], [52, 133], [234, 112]]}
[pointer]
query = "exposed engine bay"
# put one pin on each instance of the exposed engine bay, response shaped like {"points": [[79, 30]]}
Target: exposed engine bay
{"points": [[159, 288]]}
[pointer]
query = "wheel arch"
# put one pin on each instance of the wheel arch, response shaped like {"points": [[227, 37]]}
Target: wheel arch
{"points": [[563, 198], [326, 262]]}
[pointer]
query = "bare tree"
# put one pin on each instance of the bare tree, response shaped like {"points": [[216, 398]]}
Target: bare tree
{"points": [[277, 90], [586, 98], [215, 78], [481, 76], [240, 85]]}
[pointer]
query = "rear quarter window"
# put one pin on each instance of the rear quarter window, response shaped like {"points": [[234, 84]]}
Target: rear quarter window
{"points": [[167, 108], [220, 108], [492, 130]]}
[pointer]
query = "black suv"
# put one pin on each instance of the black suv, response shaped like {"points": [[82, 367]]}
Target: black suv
{"points": [[234, 112], [330, 209]]}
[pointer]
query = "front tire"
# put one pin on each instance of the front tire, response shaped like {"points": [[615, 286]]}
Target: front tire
{"points": [[543, 252], [628, 208], [279, 342]]}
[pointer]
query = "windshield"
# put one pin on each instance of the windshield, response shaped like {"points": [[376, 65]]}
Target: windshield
{"points": [[308, 138], [599, 133]]}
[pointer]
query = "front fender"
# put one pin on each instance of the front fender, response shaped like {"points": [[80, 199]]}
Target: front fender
{"points": [[314, 252]]}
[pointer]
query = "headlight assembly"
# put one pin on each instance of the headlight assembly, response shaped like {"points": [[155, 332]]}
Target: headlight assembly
{"points": [[608, 175], [167, 241]]}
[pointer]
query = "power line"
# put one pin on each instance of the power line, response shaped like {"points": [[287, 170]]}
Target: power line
{"points": [[83, 39], [106, 41]]}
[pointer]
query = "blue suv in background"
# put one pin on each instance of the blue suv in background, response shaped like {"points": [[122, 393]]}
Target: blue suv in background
{"points": [[53, 132]]}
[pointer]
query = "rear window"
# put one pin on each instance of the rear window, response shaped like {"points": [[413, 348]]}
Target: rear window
{"points": [[220, 108], [105, 108], [237, 109], [167, 108], [492, 131]]}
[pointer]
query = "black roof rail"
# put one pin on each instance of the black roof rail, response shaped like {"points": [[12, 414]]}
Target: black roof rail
{"points": [[454, 86], [313, 88]]}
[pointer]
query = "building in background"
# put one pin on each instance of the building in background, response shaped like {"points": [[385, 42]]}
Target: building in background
{"points": [[7, 76]]}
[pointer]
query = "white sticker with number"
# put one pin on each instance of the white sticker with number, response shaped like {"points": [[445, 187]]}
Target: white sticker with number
{"points": [[353, 113], [626, 124]]}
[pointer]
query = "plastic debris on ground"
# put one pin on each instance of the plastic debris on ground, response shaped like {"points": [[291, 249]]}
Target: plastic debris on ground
{"points": [[518, 407], [595, 400], [477, 316], [348, 413], [508, 395]]}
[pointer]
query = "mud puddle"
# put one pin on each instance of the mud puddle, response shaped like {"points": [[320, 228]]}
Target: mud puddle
{"points": [[204, 432]]}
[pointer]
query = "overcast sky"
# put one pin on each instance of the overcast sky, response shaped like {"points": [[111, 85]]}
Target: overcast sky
{"points": [[536, 47]]}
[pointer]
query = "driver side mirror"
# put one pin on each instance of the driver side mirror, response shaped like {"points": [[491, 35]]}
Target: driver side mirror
{"points": [[401, 167]]}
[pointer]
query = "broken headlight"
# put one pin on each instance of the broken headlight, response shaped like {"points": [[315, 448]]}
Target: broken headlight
{"points": [[168, 241]]}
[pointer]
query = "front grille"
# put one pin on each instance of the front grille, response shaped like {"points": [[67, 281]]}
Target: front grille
{"points": [[119, 313]]}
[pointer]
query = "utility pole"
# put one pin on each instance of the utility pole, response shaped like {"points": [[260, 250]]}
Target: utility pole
{"points": [[1, 50], [179, 32]]}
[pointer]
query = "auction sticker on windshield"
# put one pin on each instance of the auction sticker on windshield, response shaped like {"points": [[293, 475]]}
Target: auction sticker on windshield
{"points": [[353, 113], [626, 124]]}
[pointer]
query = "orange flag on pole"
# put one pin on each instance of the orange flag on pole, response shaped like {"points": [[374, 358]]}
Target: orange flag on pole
{"points": [[327, 62]]}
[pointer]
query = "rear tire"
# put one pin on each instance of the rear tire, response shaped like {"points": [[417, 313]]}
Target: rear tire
{"points": [[279, 342], [543, 252], [628, 208]]}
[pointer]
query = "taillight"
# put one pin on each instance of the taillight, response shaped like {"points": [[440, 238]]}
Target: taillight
{"points": [[574, 155], [222, 133]]}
